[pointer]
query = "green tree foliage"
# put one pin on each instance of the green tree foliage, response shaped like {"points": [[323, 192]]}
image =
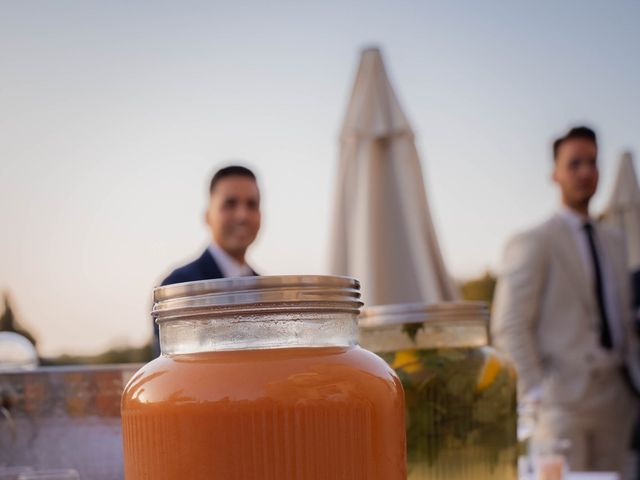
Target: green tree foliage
{"points": [[479, 289], [115, 355]]}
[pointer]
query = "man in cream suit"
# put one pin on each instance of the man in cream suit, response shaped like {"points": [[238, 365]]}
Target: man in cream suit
{"points": [[562, 312]]}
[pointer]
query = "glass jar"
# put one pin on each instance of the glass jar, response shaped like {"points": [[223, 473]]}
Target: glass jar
{"points": [[460, 393], [261, 378]]}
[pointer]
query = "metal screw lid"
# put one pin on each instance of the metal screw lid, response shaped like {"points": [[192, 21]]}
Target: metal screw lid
{"points": [[259, 294], [424, 313]]}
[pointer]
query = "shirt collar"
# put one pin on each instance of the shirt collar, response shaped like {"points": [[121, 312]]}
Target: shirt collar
{"points": [[572, 218], [230, 266]]}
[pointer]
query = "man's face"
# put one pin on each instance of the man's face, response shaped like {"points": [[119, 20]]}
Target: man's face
{"points": [[234, 213], [576, 171]]}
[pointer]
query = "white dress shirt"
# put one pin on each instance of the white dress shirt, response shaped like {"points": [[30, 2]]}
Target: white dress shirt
{"points": [[576, 223], [228, 265]]}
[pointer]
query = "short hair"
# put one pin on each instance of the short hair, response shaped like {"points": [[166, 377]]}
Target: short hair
{"points": [[576, 132], [230, 171]]}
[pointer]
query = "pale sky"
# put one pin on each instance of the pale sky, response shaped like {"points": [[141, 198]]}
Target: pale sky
{"points": [[114, 114]]}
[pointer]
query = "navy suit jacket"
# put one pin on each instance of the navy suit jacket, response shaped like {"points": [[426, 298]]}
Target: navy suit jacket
{"points": [[202, 268]]}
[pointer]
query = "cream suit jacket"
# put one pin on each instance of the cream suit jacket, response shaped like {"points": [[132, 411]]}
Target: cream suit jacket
{"points": [[545, 315]]}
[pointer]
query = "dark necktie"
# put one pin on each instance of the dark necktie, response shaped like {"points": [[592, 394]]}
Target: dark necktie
{"points": [[605, 331]]}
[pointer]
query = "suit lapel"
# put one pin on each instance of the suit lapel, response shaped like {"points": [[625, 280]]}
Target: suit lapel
{"points": [[210, 269], [568, 251], [208, 266]]}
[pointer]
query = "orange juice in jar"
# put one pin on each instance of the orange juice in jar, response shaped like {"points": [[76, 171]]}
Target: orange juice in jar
{"points": [[261, 378]]}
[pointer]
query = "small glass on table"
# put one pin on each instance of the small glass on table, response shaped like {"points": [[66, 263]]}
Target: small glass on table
{"points": [[550, 459]]}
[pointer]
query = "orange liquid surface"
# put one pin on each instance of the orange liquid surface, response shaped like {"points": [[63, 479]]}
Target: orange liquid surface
{"points": [[276, 414]]}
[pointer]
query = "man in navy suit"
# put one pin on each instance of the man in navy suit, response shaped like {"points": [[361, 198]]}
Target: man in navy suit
{"points": [[233, 217]]}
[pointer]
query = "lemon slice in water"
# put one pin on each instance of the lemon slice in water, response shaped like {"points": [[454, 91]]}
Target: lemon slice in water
{"points": [[406, 360], [490, 370]]}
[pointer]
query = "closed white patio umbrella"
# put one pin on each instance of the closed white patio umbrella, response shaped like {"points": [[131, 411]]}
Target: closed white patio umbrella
{"points": [[623, 209], [383, 232]]}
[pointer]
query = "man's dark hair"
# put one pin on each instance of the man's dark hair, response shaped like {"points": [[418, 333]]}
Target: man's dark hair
{"points": [[230, 171], [577, 132]]}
